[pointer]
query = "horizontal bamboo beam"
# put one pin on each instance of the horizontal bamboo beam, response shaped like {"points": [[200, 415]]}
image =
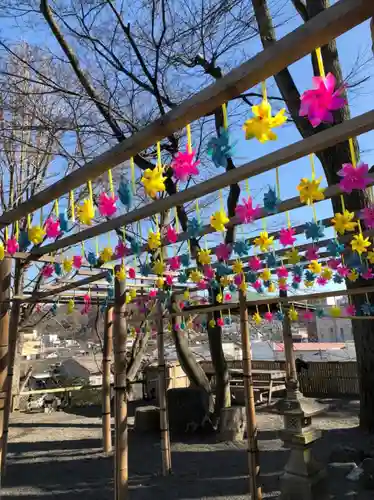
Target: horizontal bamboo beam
{"points": [[69, 286], [318, 31], [272, 300], [315, 143]]}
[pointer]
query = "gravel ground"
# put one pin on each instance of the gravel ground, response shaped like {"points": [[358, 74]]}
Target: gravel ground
{"points": [[58, 456]]}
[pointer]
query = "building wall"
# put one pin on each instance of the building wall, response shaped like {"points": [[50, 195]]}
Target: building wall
{"points": [[334, 330]]}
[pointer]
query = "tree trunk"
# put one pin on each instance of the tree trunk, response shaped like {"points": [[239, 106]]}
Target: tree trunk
{"points": [[331, 159], [222, 387], [186, 358]]}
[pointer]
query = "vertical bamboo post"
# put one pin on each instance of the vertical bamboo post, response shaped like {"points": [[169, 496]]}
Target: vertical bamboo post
{"points": [[252, 446], [107, 358], [5, 278], [121, 476], [164, 420]]}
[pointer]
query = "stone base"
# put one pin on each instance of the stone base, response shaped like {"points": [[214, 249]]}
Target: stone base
{"points": [[147, 419], [188, 409], [313, 487], [232, 424]]}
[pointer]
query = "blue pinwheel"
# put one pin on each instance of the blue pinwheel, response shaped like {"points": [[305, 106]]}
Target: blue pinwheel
{"points": [[220, 149], [314, 230], [241, 247], [271, 201], [334, 248], [23, 241], [185, 259], [125, 193], [193, 228]]}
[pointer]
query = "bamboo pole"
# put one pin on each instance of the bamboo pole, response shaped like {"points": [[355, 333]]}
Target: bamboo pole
{"points": [[5, 279], [107, 358], [164, 420], [121, 476], [252, 446], [12, 348]]}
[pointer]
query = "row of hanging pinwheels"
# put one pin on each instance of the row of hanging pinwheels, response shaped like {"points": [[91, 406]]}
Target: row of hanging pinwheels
{"points": [[317, 105]]}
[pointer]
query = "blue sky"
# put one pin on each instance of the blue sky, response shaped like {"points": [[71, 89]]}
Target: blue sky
{"points": [[351, 45]]}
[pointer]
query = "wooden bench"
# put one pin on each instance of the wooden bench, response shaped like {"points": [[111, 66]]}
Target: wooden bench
{"points": [[265, 382]]}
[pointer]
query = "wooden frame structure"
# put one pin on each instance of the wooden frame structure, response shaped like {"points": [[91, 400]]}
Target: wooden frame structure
{"points": [[342, 16]]}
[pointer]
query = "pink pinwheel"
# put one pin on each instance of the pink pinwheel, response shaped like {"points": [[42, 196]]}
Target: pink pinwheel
{"points": [[321, 281], [107, 204], [132, 273], [152, 294], [368, 274], [268, 316], [257, 285], [220, 322], [177, 327], [137, 330], [223, 251], [12, 245], [311, 253], [286, 236], [254, 263], [209, 272], [297, 279], [171, 235], [184, 165], [308, 315], [367, 215], [77, 261], [52, 228], [121, 250], [85, 310], [333, 263], [202, 285], [354, 177], [247, 212], [343, 270], [47, 271], [282, 272], [169, 280], [238, 279], [228, 297], [350, 310], [87, 299], [175, 263], [318, 102]]}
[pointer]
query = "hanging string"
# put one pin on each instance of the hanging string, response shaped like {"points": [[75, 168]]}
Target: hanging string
{"points": [[6, 234], [225, 120], [72, 206], [97, 246], [264, 91], [321, 67], [359, 226], [221, 204], [90, 193], [83, 250], [268, 307], [277, 182], [257, 310], [57, 210], [28, 222], [159, 161], [110, 178], [189, 140], [41, 217], [132, 169], [288, 220], [248, 189], [17, 230], [352, 151], [176, 220]]}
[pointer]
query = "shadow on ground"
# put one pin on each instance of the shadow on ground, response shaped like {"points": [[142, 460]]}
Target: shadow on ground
{"points": [[202, 469]]}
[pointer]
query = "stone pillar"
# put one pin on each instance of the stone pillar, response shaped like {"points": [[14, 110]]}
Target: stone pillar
{"points": [[303, 477]]}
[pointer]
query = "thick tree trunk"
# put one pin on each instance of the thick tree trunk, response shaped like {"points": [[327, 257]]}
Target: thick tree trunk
{"points": [[331, 159], [186, 358], [222, 389]]}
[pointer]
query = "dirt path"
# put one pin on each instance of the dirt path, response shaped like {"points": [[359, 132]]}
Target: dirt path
{"points": [[59, 456]]}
